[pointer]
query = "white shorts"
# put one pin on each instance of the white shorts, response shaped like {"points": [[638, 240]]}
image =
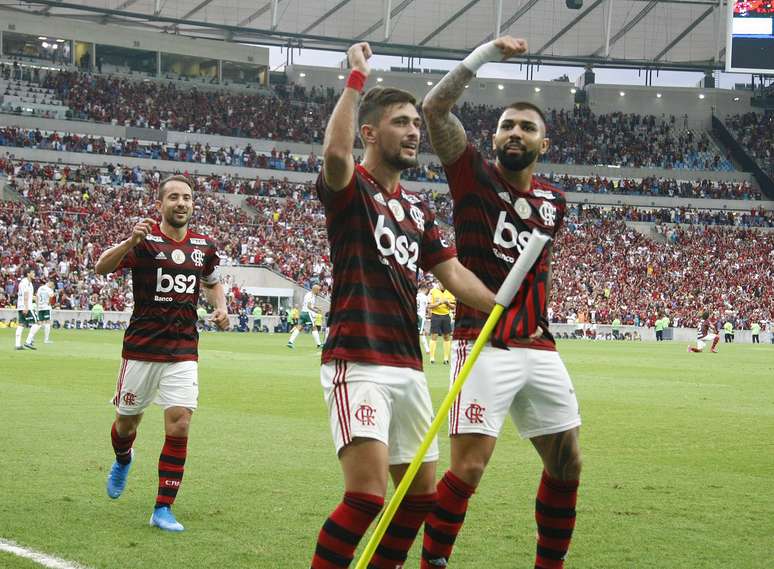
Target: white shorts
{"points": [[701, 342], [168, 384], [389, 404], [532, 385]]}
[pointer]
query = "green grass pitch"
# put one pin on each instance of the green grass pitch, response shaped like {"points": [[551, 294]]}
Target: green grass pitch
{"points": [[678, 460]]}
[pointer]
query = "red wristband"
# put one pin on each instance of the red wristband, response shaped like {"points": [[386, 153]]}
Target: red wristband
{"points": [[356, 80]]}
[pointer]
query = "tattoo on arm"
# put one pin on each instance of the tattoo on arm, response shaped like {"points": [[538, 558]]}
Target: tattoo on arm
{"points": [[447, 135]]}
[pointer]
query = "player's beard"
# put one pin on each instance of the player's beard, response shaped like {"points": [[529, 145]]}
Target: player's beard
{"points": [[516, 163], [400, 162], [176, 223]]}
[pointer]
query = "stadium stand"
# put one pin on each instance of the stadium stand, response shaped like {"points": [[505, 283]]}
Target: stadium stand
{"points": [[756, 133], [289, 113]]}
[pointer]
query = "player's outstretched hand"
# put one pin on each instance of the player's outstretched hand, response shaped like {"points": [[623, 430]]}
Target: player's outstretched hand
{"points": [[220, 319], [510, 46], [358, 56], [141, 230]]}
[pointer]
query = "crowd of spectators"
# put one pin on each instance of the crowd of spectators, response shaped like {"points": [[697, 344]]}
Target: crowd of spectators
{"points": [[755, 133], [602, 267], [756, 217], [604, 270], [291, 113]]}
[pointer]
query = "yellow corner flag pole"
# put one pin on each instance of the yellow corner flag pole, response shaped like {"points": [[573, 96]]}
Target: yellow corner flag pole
{"points": [[504, 296]]}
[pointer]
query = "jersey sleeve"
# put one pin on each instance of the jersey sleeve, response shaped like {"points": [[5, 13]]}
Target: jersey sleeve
{"points": [[211, 272], [459, 174], [435, 249], [335, 200], [130, 259]]}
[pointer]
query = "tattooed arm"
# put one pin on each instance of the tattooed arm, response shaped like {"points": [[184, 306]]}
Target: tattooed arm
{"points": [[447, 135]]}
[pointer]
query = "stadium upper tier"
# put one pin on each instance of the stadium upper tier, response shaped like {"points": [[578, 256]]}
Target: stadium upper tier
{"points": [[601, 263], [118, 174], [756, 133], [291, 113]]}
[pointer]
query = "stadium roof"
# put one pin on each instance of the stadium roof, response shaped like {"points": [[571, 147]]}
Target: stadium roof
{"points": [[666, 34]]}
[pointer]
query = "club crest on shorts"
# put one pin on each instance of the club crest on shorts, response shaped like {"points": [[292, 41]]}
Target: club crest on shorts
{"points": [[129, 399], [475, 413], [366, 415]]}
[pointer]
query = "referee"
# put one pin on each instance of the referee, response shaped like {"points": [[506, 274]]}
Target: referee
{"points": [[442, 302]]}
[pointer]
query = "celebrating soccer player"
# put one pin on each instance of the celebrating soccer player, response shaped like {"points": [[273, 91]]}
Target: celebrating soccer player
{"points": [[159, 359], [497, 205], [380, 237]]}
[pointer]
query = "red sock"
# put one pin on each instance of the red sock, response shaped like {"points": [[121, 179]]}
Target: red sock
{"points": [[344, 529], [400, 534], [122, 446], [715, 342], [555, 516], [445, 521], [171, 467]]}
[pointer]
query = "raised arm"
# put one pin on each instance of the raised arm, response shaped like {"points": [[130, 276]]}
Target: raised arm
{"points": [[338, 163], [447, 135], [111, 258]]}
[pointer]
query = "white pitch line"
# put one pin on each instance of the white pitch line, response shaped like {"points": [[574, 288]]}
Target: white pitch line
{"points": [[39, 558]]}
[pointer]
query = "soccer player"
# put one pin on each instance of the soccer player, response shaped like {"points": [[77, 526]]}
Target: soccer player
{"points": [[26, 315], [496, 207], [442, 302], [707, 332], [380, 236], [44, 295], [169, 263], [422, 302], [307, 316]]}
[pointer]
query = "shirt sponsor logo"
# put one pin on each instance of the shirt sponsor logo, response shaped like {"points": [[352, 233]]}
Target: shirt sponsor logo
{"points": [[154, 238], [197, 241], [505, 196], [158, 298], [161, 256], [405, 253], [543, 194], [178, 283], [506, 235], [178, 256], [380, 198], [409, 198]]}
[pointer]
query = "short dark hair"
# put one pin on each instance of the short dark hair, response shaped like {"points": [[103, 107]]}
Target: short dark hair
{"points": [[377, 99], [526, 106], [174, 178]]}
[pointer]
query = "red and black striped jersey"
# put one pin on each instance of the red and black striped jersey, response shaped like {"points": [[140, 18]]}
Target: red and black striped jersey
{"points": [[379, 241], [706, 327], [166, 275], [493, 222]]}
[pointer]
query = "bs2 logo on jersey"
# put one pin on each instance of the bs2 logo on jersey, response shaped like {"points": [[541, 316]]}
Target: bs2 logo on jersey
{"points": [[405, 253], [178, 283]]}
